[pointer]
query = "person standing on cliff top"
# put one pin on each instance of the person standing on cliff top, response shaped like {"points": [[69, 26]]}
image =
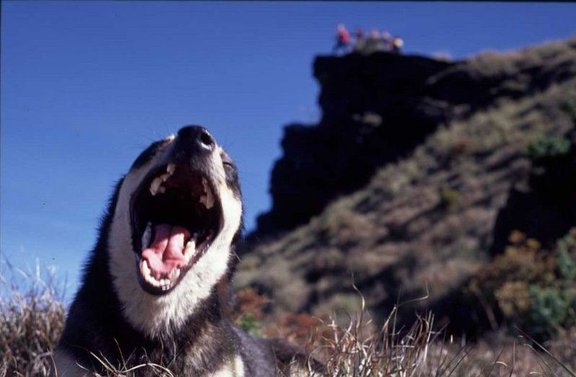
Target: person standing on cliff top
{"points": [[397, 44], [342, 39], [386, 40], [359, 40], [359, 34]]}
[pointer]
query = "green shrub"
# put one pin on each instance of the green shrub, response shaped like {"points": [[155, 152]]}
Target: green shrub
{"points": [[249, 323], [549, 310], [569, 107], [531, 288], [548, 146], [566, 247], [248, 311]]}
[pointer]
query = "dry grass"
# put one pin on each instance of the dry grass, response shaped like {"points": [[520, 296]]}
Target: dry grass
{"points": [[32, 321], [360, 349], [421, 351]]}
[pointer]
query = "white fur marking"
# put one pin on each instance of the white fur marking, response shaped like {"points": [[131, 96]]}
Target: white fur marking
{"points": [[235, 369]]}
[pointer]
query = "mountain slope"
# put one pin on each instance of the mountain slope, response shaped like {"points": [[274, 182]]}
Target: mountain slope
{"points": [[432, 214]]}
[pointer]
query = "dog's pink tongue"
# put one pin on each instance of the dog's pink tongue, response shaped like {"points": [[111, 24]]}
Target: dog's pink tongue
{"points": [[166, 251]]}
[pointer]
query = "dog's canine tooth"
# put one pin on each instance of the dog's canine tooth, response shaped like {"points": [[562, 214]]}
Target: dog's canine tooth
{"points": [[165, 176], [209, 201], [190, 249], [208, 198], [146, 269], [155, 185], [202, 200], [171, 168]]}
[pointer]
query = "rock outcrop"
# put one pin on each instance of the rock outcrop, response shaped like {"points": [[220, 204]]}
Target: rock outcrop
{"points": [[377, 108], [366, 103]]}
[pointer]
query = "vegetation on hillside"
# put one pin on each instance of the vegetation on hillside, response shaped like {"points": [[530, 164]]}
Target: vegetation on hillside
{"points": [[531, 289], [426, 224]]}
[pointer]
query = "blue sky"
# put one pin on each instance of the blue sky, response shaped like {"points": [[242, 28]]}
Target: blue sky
{"points": [[86, 85]]}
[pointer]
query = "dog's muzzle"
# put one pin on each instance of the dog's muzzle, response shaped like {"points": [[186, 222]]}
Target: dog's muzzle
{"points": [[176, 212]]}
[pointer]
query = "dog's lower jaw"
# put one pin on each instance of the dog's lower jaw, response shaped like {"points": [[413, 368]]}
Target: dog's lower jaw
{"points": [[160, 315]]}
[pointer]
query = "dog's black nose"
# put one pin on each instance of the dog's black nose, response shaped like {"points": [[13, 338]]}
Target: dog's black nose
{"points": [[198, 136]]}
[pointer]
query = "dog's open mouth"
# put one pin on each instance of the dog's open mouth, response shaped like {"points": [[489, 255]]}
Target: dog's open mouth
{"points": [[175, 217]]}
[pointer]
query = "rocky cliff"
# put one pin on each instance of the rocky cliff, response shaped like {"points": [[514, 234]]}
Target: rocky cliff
{"points": [[366, 102], [414, 179], [377, 108]]}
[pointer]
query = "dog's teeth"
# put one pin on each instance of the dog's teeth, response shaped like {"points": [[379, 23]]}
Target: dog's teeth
{"points": [[171, 168], [175, 274], [164, 177], [146, 270], [204, 201], [156, 183], [165, 284], [209, 199], [158, 282], [190, 249], [147, 273]]}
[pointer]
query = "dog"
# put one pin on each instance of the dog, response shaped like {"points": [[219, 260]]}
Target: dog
{"points": [[156, 289]]}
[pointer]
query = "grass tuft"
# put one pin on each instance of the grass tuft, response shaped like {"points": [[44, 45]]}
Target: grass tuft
{"points": [[31, 320]]}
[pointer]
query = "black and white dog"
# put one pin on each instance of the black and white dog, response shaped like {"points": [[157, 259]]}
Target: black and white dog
{"points": [[156, 289]]}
